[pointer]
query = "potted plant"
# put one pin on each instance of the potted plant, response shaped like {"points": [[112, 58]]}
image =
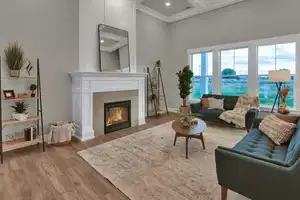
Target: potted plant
{"points": [[32, 88], [20, 110], [14, 58], [185, 85]]}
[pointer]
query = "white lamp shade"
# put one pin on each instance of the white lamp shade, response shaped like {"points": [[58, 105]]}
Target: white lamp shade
{"points": [[280, 75]]}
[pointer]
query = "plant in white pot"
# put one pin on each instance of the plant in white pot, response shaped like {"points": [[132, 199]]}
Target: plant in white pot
{"points": [[185, 85], [20, 110], [14, 58]]}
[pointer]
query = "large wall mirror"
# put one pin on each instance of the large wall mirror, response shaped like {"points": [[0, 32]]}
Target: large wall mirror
{"points": [[113, 49]]}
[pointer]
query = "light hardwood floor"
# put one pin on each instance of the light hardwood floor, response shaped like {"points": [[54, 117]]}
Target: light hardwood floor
{"points": [[59, 173]]}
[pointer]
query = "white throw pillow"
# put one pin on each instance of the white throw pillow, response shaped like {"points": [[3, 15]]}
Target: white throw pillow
{"points": [[276, 129], [216, 103]]}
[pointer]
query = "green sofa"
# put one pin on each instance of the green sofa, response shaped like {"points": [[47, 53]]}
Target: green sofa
{"points": [[259, 169], [213, 115]]}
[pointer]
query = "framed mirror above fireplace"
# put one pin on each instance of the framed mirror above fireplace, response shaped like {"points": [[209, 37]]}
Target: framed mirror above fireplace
{"points": [[113, 46], [117, 116]]}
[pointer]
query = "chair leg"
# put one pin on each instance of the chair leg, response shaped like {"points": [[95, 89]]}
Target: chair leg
{"points": [[224, 191], [187, 147], [175, 139]]}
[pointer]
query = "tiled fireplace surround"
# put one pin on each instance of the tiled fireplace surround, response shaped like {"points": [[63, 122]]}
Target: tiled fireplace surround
{"points": [[85, 84]]}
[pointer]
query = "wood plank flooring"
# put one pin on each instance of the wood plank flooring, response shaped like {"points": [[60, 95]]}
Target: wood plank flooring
{"points": [[59, 173]]}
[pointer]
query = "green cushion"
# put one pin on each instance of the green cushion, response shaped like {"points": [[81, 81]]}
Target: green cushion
{"points": [[258, 144], [210, 114], [293, 152], [230, 102]]}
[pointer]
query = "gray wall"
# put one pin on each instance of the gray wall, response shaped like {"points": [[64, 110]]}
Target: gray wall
{"points": [[152, 37], [48, 29], [249, 20]]}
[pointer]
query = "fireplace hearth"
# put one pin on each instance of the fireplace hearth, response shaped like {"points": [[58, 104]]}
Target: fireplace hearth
{"points": [[117, 116]]}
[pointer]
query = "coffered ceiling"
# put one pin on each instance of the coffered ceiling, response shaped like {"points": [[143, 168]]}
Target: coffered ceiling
{"points": [[175, 10]]}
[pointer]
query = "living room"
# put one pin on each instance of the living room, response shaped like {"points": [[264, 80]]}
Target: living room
{"points": [[235, 50]]}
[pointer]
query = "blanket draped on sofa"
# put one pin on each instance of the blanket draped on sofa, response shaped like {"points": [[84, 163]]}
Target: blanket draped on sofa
{"points": [[237, 115]]}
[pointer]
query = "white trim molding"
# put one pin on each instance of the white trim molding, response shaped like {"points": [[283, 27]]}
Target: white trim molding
{"points": [[253, 88], [199, 7], [84, 84]]}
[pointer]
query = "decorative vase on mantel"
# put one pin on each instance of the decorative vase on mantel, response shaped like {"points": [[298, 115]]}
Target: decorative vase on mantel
{"points": [[284, 109]]}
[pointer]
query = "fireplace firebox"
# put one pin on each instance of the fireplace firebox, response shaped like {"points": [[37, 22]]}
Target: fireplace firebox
{"points": [[117, 116]]}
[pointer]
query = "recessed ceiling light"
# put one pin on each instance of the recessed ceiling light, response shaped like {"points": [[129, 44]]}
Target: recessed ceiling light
{"points": [[168, 4], [102, 41]]}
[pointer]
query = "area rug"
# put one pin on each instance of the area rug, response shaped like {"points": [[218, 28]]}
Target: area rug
{"points": [[146, 165]]}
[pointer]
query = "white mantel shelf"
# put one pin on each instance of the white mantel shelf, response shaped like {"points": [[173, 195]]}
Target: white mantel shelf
{"points": [[84, 84]]}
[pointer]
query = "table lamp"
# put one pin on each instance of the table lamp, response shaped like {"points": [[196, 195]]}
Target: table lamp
{"points": [[279, 77]]}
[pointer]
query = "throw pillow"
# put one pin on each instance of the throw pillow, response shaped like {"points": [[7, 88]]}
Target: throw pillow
{"points": [[216, 103], [288, 118], [276, 129], [205, 103]]}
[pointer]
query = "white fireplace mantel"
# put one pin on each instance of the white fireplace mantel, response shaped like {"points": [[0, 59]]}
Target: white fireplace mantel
{"points": [[84, 84]]}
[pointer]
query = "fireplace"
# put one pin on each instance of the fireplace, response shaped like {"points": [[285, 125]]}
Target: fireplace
{"points": [[117, 116]]}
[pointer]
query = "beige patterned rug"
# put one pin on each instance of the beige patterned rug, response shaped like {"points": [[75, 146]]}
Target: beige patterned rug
{"points": [[146, 165]]}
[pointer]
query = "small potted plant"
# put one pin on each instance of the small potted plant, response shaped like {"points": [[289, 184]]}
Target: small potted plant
{"points": [[14, 58], [20, 110], [33, 88], [185, 85]]}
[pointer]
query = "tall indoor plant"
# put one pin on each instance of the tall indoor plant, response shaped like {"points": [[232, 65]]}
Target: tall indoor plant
{"points": [[14, 58], [185, 85]]}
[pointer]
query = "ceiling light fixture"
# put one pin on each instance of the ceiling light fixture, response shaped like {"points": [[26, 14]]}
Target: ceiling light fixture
{"points": [[168, 4], [102, 41]]}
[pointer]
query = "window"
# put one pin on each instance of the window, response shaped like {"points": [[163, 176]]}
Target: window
{"points": [[202, 67], [234, 70], [275, 57]]}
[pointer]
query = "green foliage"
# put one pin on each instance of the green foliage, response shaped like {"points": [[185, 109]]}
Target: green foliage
{"points": [[14, 56], [185, 82], [20, 106], [228, 72]]}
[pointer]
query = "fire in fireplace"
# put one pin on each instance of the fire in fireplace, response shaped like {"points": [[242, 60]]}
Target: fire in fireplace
{"points": [[117, 116]]}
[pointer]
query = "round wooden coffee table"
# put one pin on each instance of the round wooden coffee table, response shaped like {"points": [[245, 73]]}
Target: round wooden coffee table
{"points": [[195, 131]]}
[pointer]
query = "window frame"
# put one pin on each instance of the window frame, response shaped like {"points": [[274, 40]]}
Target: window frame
{"points": [[200, 76], [275, 63], [253, 87]]}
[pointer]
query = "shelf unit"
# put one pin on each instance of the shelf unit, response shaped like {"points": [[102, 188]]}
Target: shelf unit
{"points": [[37, 118]]}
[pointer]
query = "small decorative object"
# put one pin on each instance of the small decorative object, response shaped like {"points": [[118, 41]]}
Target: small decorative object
{"points": [[283, 109], [30, 133], [24, 95], [20, 112], [32, 88], [29, 67], [9, 94], [185, 85], [14, 58], [188, 121]]}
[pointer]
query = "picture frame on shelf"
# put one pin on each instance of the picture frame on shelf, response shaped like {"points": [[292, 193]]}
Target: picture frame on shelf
{"points": [[9, 94]]}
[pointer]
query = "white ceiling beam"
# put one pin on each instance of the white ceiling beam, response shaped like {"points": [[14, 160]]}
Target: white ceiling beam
{"points": [[184, 14]]}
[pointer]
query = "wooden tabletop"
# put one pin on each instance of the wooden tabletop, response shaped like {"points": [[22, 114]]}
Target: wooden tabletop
{"points": [[194, 129]]}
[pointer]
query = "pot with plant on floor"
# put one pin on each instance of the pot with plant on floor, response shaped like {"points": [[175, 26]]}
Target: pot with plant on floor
{"points": [[185, 85], [14, 58], [33, 88], [20, 110]]}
